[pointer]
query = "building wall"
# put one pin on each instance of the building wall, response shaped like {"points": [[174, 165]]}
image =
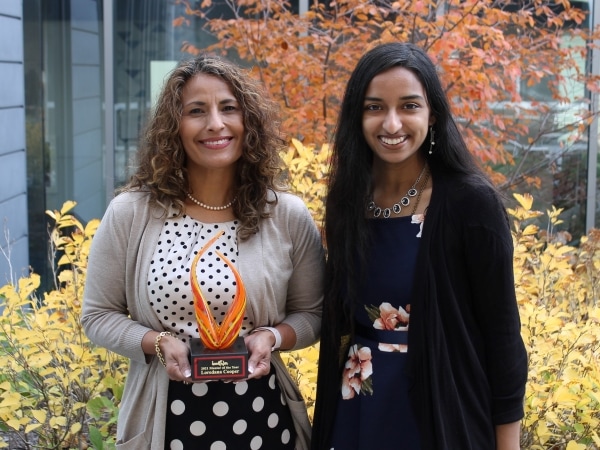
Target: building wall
{"points": [[87, 173], [13, 174]]}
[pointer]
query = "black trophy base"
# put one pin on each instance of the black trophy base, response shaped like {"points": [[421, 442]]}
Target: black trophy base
{"points": [[223, 364]]}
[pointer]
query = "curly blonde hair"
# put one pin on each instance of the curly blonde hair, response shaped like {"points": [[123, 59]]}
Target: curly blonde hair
{"points": [[161, 159]]}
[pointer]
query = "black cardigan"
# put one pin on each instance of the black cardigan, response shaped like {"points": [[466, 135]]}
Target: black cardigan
{"points": [[466, 358]]}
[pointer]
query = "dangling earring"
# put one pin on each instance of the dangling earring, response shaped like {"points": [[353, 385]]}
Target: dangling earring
{"points": [[431, 139]]}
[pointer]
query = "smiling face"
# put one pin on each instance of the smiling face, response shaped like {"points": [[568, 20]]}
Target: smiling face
{"points": [[396, 116], [212, 124]]}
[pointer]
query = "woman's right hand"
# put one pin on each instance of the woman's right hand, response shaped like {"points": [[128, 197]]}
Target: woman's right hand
{"points": [[176, 354]]}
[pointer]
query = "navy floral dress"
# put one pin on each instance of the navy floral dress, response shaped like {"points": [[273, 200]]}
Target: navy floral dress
{"points": [[373, 408]]}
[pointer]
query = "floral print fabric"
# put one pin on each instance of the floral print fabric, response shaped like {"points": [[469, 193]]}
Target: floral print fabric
{"points": [[373, 403]]}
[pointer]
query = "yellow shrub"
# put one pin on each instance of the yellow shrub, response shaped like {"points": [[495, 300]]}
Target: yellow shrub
{"points": [[56, 388], [306, 170], [557, 288]]}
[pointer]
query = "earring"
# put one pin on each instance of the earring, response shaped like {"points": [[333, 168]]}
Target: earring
{"points": [[431, 139]]}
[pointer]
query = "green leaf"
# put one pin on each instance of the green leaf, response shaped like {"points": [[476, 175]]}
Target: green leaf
{"points": [[96, 438]]}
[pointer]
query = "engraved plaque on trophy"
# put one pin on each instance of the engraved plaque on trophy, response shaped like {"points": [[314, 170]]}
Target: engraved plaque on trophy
{"points": [[219, 353]]}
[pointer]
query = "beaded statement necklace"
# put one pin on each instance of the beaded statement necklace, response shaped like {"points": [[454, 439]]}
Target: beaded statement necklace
{"points": [[396, 208], [211, 208]]}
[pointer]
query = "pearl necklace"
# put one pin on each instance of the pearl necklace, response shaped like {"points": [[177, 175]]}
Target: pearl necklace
{"points": [[404, 201], [211, 208]]}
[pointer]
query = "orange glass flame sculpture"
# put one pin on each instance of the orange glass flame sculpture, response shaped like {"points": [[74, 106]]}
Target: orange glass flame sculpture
{"points": [[213, 335]]}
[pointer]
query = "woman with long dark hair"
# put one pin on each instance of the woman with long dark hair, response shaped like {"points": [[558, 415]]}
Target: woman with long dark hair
{"points": [[420, 343]]}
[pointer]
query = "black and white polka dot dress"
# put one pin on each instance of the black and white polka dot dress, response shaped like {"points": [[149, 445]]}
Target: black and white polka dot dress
{"points": [[211, 415]]}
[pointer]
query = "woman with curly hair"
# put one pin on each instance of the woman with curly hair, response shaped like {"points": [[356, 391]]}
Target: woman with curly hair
{"points": [[207, 174]]}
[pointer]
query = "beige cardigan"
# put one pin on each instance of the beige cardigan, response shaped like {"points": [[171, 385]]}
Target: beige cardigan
{"points": [[282, 267]]}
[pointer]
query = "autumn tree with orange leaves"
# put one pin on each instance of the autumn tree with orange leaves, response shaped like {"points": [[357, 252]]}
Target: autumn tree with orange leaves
{"points": [[494, 56]]}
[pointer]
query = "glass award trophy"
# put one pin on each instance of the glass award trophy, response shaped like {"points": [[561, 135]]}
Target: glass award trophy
{"points": [[219, 353]]}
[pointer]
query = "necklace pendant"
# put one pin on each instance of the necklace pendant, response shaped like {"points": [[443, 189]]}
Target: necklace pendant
{"points": [[404, 201]]}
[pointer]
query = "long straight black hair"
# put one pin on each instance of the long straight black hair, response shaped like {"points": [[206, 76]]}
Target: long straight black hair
{"points": [[350, 172]]}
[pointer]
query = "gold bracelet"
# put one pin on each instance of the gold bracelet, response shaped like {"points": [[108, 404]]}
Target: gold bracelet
{"points": [[159, 354]]}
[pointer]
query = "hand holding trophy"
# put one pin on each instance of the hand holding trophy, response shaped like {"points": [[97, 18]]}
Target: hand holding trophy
{"points": [[219, 353]]}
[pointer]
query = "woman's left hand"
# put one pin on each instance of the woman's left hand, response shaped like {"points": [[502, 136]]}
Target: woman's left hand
{"points": [[259, 346]]}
